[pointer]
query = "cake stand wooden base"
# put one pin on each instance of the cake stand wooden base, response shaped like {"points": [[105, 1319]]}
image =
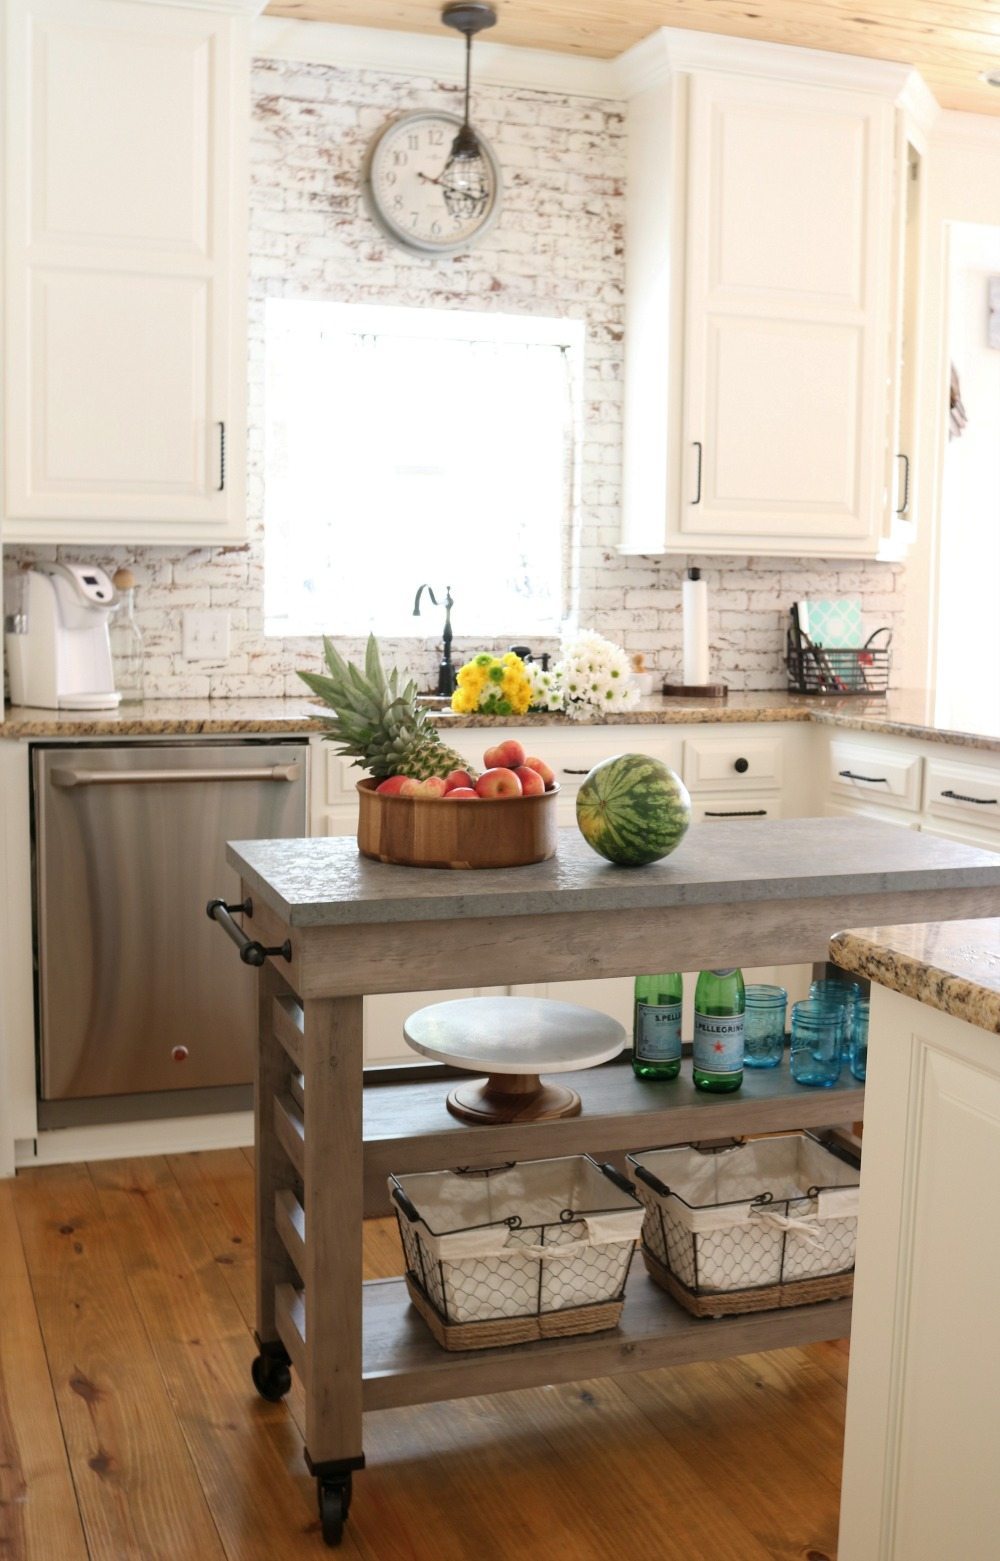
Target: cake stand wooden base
{"points": [[512, 1097]]}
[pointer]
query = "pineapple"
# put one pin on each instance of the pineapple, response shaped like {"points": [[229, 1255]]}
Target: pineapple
{"points": [[375, 722]]}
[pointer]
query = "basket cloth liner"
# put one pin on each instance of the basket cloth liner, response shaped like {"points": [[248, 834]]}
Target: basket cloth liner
{"points": [[537, 1192], [784, 1167]]}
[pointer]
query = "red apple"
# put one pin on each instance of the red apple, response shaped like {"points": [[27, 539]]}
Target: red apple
{"points": [[498, 782], [506, 755], [393, 787], [532, 784], [546, 771], [433, 786], [458, 778], [461, 794]]}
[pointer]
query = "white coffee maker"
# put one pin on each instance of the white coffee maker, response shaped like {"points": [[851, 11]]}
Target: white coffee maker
{"points": [[57, 641]]}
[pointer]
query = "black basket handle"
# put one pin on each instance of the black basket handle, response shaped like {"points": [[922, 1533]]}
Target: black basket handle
{"points": [[400, 1197], [652, 1181], [616, 1178]]}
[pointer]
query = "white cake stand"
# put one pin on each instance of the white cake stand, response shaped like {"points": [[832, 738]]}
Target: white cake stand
{"points": [[513, 1040]]}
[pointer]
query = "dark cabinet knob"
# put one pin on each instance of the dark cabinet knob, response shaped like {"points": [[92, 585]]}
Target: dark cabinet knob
{"points": [[741, 766]]}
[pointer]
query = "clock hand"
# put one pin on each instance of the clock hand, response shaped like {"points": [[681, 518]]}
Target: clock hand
{"points": [[427, 178]]}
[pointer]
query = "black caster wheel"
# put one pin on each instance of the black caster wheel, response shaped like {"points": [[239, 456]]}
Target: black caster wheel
{"points": [[334, 1505], [271, 1377]]}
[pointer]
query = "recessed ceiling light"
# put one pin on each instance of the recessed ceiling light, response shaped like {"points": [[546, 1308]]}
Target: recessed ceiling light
{"points": [[991, 77]]}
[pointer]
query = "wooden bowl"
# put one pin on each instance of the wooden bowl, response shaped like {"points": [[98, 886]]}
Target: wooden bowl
{"points": [[433, 832]]}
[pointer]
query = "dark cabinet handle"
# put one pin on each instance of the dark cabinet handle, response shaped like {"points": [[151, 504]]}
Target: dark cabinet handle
{"points": [[981, 802], [739, 813], [697, 497], [741, 766], [222, 456], [905, 504], [873, 780], [576, 772], [251, 952]]}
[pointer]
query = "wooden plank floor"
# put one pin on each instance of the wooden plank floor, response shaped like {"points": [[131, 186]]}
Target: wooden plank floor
{"points": [[129, 1430]]}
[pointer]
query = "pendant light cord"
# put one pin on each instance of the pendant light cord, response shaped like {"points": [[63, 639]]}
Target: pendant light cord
{"points": [[468, 75]]}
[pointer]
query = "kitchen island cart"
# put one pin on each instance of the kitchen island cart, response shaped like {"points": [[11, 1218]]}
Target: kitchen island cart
{"points": [[328, 927]]}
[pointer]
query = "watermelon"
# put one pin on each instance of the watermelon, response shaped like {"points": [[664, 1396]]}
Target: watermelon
{"points": [[633, 809]]}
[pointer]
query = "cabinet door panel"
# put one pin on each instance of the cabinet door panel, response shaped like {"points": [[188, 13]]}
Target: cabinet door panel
{"points": [[787, 274], [125, 300], [109, 416]]}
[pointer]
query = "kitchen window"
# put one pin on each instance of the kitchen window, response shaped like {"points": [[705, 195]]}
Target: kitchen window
{"points": [[404, 445]]}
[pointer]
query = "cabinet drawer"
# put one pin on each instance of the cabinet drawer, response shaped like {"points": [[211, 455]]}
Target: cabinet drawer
{"points": [[889, 778], [964, 791], [707, 810], [732, 763]]}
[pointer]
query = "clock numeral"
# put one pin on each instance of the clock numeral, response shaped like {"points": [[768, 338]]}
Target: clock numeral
{"points": [[414, 217], [397, 203], [413, 142], [435, 229], [390, 178], [399, 159], [435, 137]]}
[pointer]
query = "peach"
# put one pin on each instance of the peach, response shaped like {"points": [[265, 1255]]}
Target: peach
{"points": [[409, 788], [458, 778], [393, 787], [532, 784], [461, 794], [433, 786], [498, 781], [546, 771], [507, 755]]}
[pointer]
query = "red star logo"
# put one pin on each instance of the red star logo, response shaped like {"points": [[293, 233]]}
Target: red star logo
{"points": [[718, 1047]]}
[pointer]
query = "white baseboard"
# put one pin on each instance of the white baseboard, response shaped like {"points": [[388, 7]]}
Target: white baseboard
{"points": [[125, 1140]]}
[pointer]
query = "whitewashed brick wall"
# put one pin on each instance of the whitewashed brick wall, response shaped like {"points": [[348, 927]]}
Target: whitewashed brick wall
{"points": [[558, 249]]}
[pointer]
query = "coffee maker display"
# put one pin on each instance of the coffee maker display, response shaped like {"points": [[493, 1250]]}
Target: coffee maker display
{"points": [[58, 647]]}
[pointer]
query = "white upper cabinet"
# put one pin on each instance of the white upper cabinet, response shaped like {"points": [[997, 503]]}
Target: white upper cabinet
{"points": [[787, 271], [127, 125], [763, 313]]}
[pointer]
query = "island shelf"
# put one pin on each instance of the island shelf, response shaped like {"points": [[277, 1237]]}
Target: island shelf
{"points": [[768, 892]]}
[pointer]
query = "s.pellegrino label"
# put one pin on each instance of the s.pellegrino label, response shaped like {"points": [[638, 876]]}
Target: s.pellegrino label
{"points": [[718, 1043], [657, 1035]]}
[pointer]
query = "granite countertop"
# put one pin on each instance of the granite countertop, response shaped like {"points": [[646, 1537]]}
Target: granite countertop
{"points": [[326, 882], [905, 714], [953, 966]]}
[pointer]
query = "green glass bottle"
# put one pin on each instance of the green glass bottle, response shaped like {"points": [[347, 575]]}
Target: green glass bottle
{"points": [[719, 1005], [656, 1029]]}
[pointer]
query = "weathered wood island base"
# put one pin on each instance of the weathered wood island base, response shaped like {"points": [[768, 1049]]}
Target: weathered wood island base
{"points": [[746, 893]]}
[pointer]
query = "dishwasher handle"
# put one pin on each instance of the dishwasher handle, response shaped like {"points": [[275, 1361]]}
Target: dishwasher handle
{"points": [[251, 952], [271, 772]]}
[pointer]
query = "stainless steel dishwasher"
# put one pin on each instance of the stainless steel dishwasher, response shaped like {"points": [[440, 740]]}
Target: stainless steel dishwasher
{"points": [[133, 998]]}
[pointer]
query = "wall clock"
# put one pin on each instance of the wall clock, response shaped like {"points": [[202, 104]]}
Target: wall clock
{"points": [[406, 193]]}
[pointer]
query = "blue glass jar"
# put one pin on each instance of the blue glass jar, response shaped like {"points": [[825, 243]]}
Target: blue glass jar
{"points": [[849, 994], [817, 1042], [859, 1047], [764, 1026]]}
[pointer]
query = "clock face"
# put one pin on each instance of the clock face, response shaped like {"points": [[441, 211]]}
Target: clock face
{"points": [[402, 185]]}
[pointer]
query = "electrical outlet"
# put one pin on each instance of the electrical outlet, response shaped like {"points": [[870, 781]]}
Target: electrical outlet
{"points": [[206, 635]]}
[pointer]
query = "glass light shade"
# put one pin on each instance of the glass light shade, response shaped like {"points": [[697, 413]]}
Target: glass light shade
{"points": [[465, 182]]}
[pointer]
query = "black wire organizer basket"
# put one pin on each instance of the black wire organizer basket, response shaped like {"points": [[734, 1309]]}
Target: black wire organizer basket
{"points": [[767, 1223], [532, 1250], [813, 669]]}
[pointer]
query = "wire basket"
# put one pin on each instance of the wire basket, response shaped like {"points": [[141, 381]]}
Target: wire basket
{"points": [[517, 1253], [815, 670], [764, 1224]]}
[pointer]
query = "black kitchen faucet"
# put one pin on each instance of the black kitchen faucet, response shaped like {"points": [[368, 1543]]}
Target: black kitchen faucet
{"points": [[446, 672]]}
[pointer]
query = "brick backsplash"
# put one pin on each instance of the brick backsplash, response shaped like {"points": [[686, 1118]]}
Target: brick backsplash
{"points": [[558, 249]]}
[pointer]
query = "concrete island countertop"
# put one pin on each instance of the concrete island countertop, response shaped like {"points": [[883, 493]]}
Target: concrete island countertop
{"points": [[953, 966], [905, 714], [325, 882]]}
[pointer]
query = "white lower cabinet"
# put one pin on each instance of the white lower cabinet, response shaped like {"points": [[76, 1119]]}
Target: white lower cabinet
{"points": [[923, 1396]]}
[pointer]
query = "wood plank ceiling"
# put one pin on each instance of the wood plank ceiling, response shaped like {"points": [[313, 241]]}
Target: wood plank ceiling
{"points": [[949, 43]]}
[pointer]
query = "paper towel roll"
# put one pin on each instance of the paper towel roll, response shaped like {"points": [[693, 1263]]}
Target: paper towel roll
{"points": [[695, 605]]}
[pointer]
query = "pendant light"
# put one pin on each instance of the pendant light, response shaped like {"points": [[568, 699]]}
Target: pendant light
{"points": [[465, 182]]}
